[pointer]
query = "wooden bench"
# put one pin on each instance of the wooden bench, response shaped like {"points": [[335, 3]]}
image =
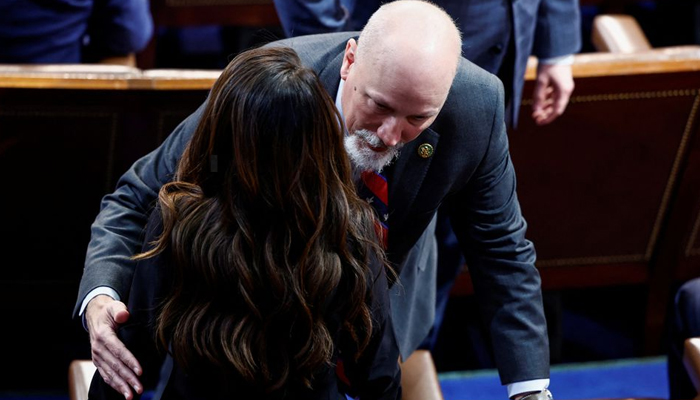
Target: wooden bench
{"points": [[80, 373]]}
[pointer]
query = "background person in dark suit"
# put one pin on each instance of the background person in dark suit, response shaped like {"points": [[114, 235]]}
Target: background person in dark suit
{"points": [[402, 85], [72, 31]]}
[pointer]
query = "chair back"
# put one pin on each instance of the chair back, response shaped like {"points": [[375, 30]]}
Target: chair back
{"points": [[691, 361], [617, 33]]}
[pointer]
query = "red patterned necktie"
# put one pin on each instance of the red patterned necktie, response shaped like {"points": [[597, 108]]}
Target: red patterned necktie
{"points": [[376, 192]]}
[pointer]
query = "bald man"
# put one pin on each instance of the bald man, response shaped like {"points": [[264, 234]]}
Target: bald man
{"points": [[499, 36], [432, 123]]}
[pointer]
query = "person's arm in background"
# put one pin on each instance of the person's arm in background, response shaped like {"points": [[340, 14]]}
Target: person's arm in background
{"points": [[116, 235], [117, 28], [557, 38]]}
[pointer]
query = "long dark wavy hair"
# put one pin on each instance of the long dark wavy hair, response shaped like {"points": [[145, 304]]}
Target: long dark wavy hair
{"points": [[266, 234]]}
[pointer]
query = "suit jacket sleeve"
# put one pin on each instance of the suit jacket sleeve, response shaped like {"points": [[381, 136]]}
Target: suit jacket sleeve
{"points": [[558, 29], [151, 284], [487, 220], [117, 233]]}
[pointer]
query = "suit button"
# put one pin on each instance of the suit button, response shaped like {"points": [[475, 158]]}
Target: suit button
{"points": [[496, 49]]}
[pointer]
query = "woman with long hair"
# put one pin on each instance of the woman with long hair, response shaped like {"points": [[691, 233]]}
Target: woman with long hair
{"points": [[262, 270]]}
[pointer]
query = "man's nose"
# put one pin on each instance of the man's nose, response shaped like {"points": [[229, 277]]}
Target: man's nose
{"points": [[390, 131]]}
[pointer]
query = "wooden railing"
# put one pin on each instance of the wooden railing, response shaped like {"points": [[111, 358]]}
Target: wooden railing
{"points": [[103, 77]]}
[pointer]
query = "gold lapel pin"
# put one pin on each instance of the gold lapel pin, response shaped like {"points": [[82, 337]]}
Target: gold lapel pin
{"points": [[425, 150]]}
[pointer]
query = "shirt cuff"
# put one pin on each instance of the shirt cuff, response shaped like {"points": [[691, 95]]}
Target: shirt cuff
{"points": [[534, 385], [561, 60], [91, 295]]}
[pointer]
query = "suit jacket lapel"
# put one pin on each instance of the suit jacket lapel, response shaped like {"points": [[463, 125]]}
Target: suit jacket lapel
{"points": [[405, 178]]}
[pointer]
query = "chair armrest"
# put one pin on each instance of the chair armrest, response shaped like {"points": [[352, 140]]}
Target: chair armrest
{"points": [[80, 374], [419, 377]]}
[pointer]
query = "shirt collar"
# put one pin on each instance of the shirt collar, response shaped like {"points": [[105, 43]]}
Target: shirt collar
{"points": [[338, 102]]}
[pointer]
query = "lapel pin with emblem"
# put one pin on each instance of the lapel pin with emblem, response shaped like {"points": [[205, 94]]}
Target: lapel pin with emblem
{"points": [[425, 150]]}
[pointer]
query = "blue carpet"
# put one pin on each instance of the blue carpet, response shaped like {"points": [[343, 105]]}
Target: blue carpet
{"points": [[642, 377]]}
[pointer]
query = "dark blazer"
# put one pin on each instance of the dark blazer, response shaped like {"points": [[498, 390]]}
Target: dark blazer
{"points": [[470, 173], [543, 28], [152, 282], [72, 31]]}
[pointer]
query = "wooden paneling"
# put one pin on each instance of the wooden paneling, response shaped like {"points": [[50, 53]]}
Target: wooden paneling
{"points": [[597, 184], [611, 189], [61, 150]]}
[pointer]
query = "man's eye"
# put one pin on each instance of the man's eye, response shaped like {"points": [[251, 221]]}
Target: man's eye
{"points": [[381, 106]]}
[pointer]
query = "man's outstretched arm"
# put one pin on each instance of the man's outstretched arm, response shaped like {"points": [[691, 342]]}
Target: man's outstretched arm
{"points": [[118, 367], [117, 235]]}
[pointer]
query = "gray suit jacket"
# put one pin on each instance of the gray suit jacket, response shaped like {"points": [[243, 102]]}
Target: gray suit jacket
{"points": [[470, 173]]}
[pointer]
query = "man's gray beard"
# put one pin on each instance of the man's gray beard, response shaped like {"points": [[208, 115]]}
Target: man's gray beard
{"points": [[365, 159]]}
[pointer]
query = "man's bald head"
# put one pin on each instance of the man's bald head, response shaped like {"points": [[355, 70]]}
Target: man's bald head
{"points": [[413, 32], [397, 79]]}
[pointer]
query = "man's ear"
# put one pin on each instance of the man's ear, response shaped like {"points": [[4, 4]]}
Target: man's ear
{"points": [[348, 58]]}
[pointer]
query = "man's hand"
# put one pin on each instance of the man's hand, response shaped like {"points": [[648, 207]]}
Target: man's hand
{"points": [[118, 367], [553, 88]]}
